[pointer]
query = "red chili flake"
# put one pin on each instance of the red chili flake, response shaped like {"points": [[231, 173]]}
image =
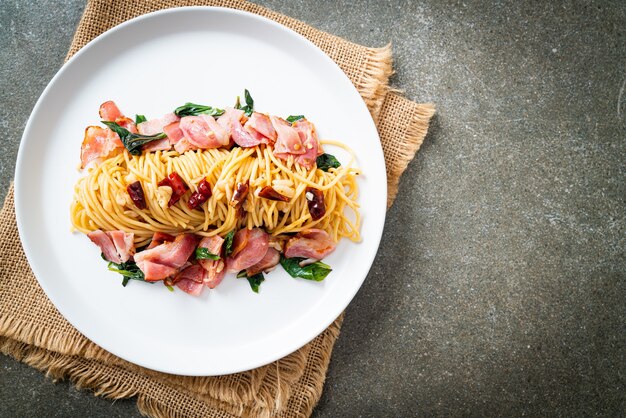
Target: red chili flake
{"points": [[135, 191], [268, 192], [240, 194], [315, 201], [178, 186], [202, 195]]}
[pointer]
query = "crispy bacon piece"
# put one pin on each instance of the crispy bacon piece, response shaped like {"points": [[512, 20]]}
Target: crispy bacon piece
{"points": [[310, 243], [159, 238], [157, 262], [315, 201], [203, 131], [127, 124], [179, 188], [268, 192], [249, 248], [306, 132], [98, 145], [155, 126], [268, 262], [116, 246], [177, 138], [190, 279], [216, 269], [231, 121], [135, 191], [109, 111], [190, 286], [124, 244], [260, 126], [288, 140], [154, 272], [200, 196]]}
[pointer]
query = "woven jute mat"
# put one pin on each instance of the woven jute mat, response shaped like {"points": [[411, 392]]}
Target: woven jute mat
{"points": [[32, 330]]}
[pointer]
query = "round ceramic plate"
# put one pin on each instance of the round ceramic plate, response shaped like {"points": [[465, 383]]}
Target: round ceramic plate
{"points": [[150, 65]]}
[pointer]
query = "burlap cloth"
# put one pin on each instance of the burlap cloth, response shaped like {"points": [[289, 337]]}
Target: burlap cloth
{"points": [[32, 330]]}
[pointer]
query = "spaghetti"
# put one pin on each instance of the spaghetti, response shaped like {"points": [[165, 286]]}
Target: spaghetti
{"points": [[101, 200]]}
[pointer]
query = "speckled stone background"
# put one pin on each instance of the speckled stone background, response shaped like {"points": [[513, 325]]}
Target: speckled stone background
{"points": [[500, 287]]}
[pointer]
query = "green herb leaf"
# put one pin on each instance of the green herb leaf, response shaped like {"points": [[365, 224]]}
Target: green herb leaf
{"points": [[170, 288], [132, 142], [255, 281], [326, 161], [242, 274], [316, 271], [139, 119], [248, 97], [228, 243], [204, 254], [129, 270], [293, 118], [249, 107], [192, 109]]}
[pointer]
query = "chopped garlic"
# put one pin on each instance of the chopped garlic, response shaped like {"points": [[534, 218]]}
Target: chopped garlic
{"points": [[131, 178], [163, 195], [120, 199]]}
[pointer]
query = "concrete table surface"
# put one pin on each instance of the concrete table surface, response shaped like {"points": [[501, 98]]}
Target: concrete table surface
{"points": [[499, 288]]}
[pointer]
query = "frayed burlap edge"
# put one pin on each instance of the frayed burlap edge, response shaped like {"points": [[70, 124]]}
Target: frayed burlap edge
{"points": [[375, 84], [42, 337], [82, 373], [416, 131]]}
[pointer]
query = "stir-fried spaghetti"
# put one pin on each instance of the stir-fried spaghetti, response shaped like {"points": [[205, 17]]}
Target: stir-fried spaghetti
{"points": [[102, 201]]}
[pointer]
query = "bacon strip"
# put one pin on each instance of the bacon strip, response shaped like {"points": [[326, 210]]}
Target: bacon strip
{"points": [[231, 120], [170, 254], [109, 111], [288, 140], [249, 247], [98, 145], [268, 262], [260, 126], [215, 269], [116, 246], [310, 243]]}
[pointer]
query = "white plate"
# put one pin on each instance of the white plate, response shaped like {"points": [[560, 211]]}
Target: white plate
{"points": [[150, 65]]}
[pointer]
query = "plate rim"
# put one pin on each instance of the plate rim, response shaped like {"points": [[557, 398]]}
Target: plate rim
{"points": [[20, 193]]}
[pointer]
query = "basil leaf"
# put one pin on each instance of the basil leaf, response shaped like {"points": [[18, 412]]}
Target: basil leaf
{"points": [[139, 119], [242, 274], [170, 288], [316, 271], [192, 109], [248, 97], [255, 281], [293, 118], [129, 270], [326, 161], [204, 254], [228, 243], [132, 142], [249, 107]]}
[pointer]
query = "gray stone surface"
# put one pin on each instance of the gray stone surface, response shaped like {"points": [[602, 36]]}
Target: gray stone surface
{"points": [[499, 288]]}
